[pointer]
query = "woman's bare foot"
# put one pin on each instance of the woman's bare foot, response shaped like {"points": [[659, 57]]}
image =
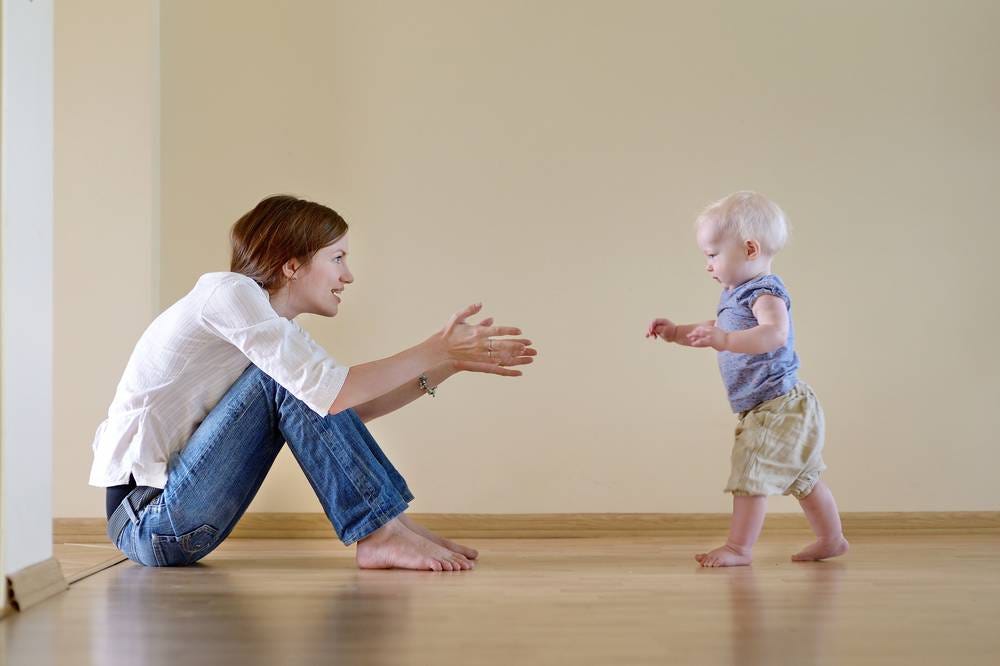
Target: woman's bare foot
{"points": [[469, 553], [394, 546], [822, 549], [725, 556]]}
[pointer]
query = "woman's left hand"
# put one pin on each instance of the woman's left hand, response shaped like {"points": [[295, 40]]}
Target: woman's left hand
{"points": [[503, 355]]}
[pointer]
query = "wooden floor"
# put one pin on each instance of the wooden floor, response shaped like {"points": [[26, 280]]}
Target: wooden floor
{"points": [[892, 600], [79, 560]]}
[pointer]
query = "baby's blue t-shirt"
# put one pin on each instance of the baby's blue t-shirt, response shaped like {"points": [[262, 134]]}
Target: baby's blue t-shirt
{"points": [[751, 379]]}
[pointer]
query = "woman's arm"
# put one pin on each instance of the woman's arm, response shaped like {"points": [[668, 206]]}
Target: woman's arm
{"points": [[410, 391], [459, 344], [403, 395]]}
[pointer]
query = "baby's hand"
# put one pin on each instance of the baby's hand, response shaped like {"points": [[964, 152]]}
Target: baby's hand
{"points": [[708, 336], [661, 328]]}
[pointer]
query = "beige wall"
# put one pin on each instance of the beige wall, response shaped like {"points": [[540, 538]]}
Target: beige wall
{"points": [[106, 216], [548, 158]]}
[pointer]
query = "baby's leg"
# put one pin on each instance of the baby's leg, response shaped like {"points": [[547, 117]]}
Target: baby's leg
{"points": [[748, 518], [821, 511]]}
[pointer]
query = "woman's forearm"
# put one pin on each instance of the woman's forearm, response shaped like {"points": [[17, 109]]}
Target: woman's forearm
{"points": [[404, 394], [368, 381]]}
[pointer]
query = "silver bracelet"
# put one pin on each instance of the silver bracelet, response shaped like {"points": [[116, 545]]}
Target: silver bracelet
{"points": [[429, 390]]}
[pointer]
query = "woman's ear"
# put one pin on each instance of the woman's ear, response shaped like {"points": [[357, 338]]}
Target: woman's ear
{"points": [[289, 268], [752, 249]]}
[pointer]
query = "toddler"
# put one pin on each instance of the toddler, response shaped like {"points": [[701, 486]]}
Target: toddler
{"points": [[779, 434]]}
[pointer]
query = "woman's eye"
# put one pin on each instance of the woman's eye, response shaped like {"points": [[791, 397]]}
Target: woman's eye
{"points": [[338, 259]]}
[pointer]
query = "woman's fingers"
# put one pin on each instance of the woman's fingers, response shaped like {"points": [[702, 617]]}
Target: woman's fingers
{"points": [[488, 368], [468, 311], [486, 322], [494, 331], [507, 345], [504, 352], [460, 317]]}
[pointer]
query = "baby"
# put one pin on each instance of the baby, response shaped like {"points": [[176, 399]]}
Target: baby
{"points": [[779, 435]]}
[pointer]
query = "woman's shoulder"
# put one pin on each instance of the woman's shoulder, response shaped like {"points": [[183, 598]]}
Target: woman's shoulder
{"points": [[225, 277], [229, 283], [222, 291]]}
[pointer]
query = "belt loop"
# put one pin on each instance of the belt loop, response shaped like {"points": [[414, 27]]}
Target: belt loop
{"points": [[130, 511]]}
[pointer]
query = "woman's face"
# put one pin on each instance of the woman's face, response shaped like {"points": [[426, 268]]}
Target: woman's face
{"points": [[318, 285]]}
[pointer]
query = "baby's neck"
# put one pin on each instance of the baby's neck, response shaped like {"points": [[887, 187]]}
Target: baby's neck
{"points": [[754, 270]]}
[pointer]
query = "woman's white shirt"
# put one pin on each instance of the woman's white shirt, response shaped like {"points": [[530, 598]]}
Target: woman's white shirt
{"points": [[184, 363]]}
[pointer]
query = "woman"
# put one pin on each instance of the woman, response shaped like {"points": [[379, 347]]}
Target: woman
{"points": [[224, 377]]}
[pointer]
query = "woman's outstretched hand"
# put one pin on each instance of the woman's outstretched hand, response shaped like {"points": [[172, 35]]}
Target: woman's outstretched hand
{"points": [[482, 347]]}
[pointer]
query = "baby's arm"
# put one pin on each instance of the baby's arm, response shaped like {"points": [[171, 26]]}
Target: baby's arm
{"points": [[671, 332], [770, 333]]}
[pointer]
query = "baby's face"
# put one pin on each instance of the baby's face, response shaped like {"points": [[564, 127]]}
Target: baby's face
{"points": [[726, 257]]}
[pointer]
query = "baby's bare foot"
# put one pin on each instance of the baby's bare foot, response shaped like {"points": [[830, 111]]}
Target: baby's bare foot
{"points": [[822, 549], [470, 553], [725, 556], [394, 546]]}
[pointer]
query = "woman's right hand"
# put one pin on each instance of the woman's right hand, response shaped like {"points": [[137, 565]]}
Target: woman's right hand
{"points": [[477, 343]]}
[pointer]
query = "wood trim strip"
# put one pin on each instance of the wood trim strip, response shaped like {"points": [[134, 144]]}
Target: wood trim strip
{"points": [[97, 568], [36, 583], [569, 525]]}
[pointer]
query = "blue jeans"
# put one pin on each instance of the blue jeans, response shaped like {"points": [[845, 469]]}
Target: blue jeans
{"points": [[211, 482]]}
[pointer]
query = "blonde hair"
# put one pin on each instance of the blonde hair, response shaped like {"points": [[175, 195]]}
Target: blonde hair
{"points": [[749, 216]]}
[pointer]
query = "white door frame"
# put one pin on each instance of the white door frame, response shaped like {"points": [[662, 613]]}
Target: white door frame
{"points": [[26, 246]]}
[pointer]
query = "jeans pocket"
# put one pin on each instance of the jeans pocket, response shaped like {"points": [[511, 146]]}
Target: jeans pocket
{"points": [[174, 551]]}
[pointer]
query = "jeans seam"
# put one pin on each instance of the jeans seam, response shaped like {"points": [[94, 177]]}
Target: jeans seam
{"points": [[186, 480], [370, 524], [323, 436]]}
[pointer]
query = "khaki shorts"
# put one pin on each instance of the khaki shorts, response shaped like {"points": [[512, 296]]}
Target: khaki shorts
{"points": [[779, 445]]}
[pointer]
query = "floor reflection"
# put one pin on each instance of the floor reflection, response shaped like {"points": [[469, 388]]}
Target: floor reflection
{"points": [[784, 624]]}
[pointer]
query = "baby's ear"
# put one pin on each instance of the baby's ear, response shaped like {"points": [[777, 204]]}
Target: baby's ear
{"points": [[752, 249]]}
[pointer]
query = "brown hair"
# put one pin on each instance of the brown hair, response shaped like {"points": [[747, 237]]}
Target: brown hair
{"points": [[280, 228]]}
